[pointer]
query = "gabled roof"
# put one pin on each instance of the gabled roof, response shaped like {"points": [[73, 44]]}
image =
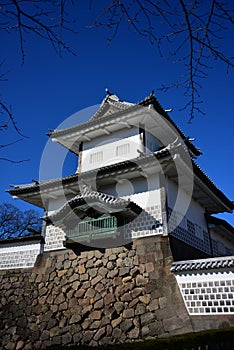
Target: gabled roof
{"points": [[112, 108], [101, 202], [110, 105]]}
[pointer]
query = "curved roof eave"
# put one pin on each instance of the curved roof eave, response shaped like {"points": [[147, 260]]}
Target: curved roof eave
{"points": [[91, 198], [130, 165], [96, 120]]}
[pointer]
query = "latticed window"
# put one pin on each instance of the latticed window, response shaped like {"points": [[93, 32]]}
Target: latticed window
{"points": [[96, 157], [123, 149]]}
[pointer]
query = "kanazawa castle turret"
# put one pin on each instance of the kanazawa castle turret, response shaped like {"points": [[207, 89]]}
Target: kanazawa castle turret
{"points": [[136, 177]]}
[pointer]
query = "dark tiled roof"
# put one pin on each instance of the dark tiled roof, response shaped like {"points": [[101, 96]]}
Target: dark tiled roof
{"points": [[133, 164], [90, 198], [120, 108], [43, 185], [204, 178], [220, 222], [203, 264], [152, 100], [28, 238], [92, 122], [108, 102], [128, 164]]}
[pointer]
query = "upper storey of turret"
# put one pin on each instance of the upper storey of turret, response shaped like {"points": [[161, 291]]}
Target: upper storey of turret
{"points": [[117, 119]]}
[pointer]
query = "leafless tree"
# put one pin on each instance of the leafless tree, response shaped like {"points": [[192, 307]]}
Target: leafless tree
{"points": [[187, 32], [17, 223], [46, 19]]}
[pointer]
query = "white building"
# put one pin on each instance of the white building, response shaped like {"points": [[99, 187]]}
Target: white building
{"points": [[136, 177]]}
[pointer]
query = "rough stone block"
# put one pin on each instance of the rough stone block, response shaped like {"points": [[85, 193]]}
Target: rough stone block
{"points": [[19, 345], [96, 315], [99, 333], [119, 306], [66, 338], [123, 271], [126, 297], [98, 263], [155, 328], [95, 280], [145, 299], [145, 331], [133, 302], [75, 285], [54, 331], [109, 298], [147, 318], [99, 304], [128, 313], [95, 325], [62, 273], [90, 293], [84, 277], [134, 333], [111, 274], [117, 333], [77, 337], [126, 325], [92, 272], [81, 269], [136, 292], [153, 305], [79, 293], [141, 281], [149, 266], [162, 302], [86, 324], [140, 309], [75, 318], [116, 321]]}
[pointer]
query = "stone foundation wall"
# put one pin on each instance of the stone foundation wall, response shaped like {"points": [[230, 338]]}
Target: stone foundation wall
{"points": [[117, 295]]}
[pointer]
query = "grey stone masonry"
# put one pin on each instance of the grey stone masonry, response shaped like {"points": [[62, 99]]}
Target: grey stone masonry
{"points": [[116, 295]]}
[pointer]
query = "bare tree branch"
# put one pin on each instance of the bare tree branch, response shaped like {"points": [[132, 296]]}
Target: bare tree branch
{"points": [[46, 19], [188, 31], [17, 223]]}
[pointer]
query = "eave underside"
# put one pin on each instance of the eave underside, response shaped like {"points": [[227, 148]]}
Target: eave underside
{"points": [[204, 191]]}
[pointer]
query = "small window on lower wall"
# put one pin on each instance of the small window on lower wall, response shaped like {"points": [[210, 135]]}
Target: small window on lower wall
{"points": [[96, 157], [123, 149]]}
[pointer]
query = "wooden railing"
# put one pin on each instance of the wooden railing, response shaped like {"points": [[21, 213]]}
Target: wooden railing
{"points": [[93, 228]]}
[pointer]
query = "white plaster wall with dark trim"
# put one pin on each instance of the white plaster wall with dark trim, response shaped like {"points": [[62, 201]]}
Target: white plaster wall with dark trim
{"points": [[19, 255], [103, 150], [195, 212], [207, 292]]}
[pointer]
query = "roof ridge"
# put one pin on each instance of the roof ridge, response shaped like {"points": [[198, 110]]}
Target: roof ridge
{"points": [[87, 196], [203, 264]]}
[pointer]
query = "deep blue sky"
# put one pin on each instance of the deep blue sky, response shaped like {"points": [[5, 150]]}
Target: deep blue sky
{"points": [[48, 89]]}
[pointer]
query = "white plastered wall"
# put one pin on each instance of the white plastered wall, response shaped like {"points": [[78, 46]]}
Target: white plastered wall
{"points": [[111, 149], [207, 292], [19, 255], [195, 212]]}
